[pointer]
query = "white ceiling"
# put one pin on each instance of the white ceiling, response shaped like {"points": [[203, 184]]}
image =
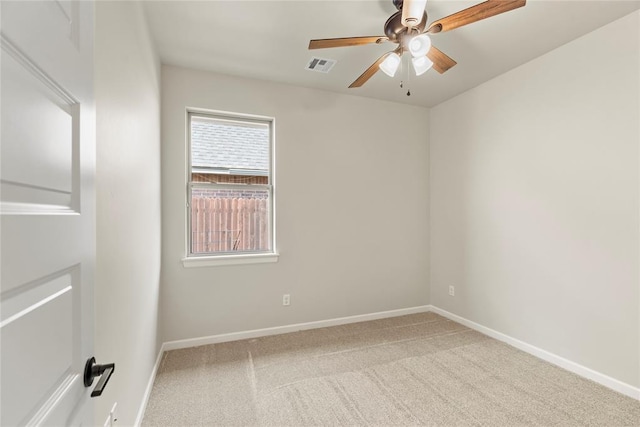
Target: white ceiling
{"points": [[268, 40]]}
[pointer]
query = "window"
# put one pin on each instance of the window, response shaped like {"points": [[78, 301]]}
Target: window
{"points": [[230, 191]]}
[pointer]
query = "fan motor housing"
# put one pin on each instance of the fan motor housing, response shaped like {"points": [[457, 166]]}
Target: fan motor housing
{"points": [[393, 28]]}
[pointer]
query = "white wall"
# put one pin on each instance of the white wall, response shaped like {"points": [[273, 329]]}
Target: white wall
{"points": [[128, 205], [534, 202], [351, 201]]}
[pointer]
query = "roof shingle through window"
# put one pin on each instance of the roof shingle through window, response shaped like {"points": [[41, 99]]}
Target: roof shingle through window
{"points": [[226, 145]]}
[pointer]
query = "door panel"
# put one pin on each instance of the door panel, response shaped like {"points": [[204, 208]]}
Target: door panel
{"points": [[38, 135], [47, 230], [37, 344]]}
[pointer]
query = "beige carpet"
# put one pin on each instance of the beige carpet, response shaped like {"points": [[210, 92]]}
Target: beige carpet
{"points": [[419, 369]]}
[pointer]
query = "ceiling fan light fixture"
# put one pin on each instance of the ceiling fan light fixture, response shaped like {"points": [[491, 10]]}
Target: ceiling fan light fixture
{"points": [[390, 64], [412, 12], [419, 45], [421, 65]]}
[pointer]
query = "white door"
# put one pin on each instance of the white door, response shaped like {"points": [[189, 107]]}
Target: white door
{"points": [[47, 236]]}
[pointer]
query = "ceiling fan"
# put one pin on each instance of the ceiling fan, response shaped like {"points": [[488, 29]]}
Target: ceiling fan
{"points": [[408, 29]]}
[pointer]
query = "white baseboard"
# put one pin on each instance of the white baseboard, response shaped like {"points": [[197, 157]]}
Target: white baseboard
{"points": [[147, 391], [255, 333], [583, 371]]}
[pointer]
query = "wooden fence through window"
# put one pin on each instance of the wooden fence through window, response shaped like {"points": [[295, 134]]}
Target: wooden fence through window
{"points": [[225, 224]]}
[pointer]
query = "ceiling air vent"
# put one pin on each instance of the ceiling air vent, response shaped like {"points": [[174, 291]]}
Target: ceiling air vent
{"points": [[320, 64]]}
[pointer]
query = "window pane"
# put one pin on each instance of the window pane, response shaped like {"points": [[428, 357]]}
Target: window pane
{"points": [[231, 194], [230, 220], [229, 150]]}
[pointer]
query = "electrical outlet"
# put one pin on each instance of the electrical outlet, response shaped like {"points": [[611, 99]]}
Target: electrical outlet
{"points": [[452, 291], [286, 299]]}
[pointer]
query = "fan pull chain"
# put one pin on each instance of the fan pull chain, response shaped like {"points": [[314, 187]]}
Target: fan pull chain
{"points": [[401, 71], [408, 79]]}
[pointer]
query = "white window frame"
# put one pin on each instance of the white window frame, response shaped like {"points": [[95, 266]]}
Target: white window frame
{"points": [[229, 258]]}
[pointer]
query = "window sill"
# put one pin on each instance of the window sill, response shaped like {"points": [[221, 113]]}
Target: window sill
{"points": [[211, 261]]}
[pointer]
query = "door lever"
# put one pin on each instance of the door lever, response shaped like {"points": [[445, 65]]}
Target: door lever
{"points": [[92, 370]]}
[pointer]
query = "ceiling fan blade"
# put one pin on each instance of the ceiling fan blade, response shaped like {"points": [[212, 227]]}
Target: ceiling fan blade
{"points": [[441, 62], [345, 41], [474, 13], [369, 72]]}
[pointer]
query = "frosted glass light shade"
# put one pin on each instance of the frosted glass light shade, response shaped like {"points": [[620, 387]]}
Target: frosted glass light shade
{"points": [[420, 45], [421, 64], [412, 12], [390, 65]]}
